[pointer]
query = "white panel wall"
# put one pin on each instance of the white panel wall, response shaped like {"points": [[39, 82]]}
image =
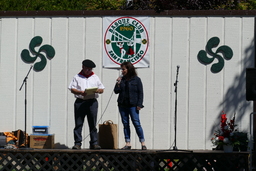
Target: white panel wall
{"points": [[8, 72], [161, 84], [196, 88], [59, 77], [201, 94]]}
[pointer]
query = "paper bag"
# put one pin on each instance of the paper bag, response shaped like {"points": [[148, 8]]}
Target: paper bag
{"points": [[108, 137]]}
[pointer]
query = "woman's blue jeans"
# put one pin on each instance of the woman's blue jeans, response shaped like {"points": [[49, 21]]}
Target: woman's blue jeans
{"points": [[134, 114]]}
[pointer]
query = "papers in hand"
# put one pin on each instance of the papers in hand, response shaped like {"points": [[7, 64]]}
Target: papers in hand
{"points": [[90, 91]]}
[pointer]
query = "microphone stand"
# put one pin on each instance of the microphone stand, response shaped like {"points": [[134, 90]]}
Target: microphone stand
{"points": [[175, 114], [25, 82]]}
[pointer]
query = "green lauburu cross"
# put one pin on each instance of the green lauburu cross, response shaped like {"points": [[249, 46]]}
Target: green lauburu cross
{"points": [[47, 49], [224, 50]]}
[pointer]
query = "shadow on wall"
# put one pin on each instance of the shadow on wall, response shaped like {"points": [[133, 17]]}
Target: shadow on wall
{"points": [[234, 101]]}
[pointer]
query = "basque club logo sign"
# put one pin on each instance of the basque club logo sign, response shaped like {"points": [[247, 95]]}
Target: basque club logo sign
{"points": [[126, 39]]}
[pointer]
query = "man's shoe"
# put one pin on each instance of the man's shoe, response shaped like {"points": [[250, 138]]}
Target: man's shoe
{"points": [[95, 147], [77, 147]]}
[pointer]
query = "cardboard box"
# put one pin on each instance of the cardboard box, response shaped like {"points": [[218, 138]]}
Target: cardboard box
{"points": [[42, 141]]}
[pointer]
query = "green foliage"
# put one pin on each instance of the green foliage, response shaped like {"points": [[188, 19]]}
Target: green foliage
{"points": [[157, 5], [242, 139], [59, 5], [104, 4], [160, 5], [250, 4]]}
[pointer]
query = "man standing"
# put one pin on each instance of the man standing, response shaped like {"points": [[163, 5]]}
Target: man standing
{"points": [[86, 103]]}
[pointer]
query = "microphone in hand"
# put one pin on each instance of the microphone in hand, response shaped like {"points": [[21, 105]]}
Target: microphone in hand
{"points": [[118, 80]]}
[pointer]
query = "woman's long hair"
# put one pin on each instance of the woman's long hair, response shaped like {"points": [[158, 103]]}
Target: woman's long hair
{"points": [[131, 70]]}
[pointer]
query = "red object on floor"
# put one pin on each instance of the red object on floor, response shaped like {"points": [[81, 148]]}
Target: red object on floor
{"points": [[169, 163]]}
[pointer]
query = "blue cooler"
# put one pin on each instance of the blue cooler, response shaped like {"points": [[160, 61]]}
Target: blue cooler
{"points": [[40, 129]]}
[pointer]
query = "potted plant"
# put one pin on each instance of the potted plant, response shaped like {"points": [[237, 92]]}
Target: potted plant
{"points": [[229, 136]]}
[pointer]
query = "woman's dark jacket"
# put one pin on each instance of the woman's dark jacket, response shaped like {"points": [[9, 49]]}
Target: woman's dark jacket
{"points": [[135, 91]]}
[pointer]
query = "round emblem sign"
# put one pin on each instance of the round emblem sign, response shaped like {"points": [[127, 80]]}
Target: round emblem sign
{"points": [[126, 39]]}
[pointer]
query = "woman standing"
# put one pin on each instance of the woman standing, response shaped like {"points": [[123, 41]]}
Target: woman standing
{"points": [[130, 99]]}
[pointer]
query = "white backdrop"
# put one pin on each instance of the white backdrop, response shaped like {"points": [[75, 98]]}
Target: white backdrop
{"points": [[201, 96]]}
